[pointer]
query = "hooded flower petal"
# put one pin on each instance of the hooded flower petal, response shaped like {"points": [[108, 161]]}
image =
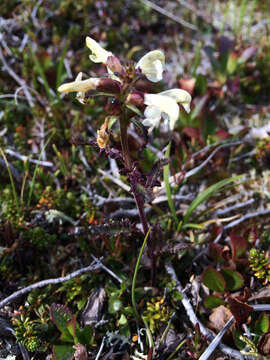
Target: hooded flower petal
{"points": [[99, 55], [79, 85], [151, 65], [152, 117], [165, 105], [180, 96]]}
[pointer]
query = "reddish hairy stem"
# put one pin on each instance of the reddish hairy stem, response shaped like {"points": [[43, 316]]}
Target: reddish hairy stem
{"points": [[125, 150], [138, 198]]}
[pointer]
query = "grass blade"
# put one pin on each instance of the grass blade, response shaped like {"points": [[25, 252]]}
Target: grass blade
{"points": [[42, 75], [167, 184], [206, 194], [133, 301], [36, 168], [60, 65], [15, 196]]}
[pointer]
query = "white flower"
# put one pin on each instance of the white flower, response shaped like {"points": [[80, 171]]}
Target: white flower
{"points": [[151, 65], [165, 105], [99, 55]]}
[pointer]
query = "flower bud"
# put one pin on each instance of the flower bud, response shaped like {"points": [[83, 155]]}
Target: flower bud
{"points": [[114, 107], [114, 64], [136, 99], [109, 86]]}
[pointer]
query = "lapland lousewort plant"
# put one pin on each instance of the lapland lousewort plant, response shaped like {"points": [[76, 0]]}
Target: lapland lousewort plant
{"points": [[130, 105]]}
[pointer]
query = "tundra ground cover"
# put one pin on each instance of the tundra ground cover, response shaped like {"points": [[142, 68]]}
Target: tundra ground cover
{"points": [[144, 206]]}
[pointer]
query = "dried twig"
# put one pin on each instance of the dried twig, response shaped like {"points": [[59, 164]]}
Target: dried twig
{"points": [[102, 266], [246, 217], [26, 158], [15, 173], [214, 343], [96, 264], [20, 81], [169, 15], [157, 152], [100, 348], [100, 200], [125, 213], [193, 318], [195, 170], [198, 168], [115, 180], [237, 206], [231, 225]]}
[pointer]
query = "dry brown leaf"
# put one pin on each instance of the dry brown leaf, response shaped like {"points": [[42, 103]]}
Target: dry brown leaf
{"points": [[261, 294], [80, 352], [264, 344], [240, 309], [219, 317]]}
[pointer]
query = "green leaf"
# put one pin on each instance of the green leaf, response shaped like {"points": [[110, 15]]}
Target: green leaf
{"points": [[210, 53], [201, 84], [62, 163], [166, 171], [134, 109], [142, 129], [232, 63], [262, 324], [85, 335], [193, 226], [213, 279], [238, 245], [115, 305], [213, 301], [72, 328], [41, 72], [236, 338], [206, 194], [198, 107], [122, 320], [60, 315], [234, 280], [215, 252], [36, 169], [63, 352]]}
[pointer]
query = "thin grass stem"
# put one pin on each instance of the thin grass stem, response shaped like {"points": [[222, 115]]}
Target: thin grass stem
{"points": [[15, 195], [36, 168], [133, 301], [167, 185]]}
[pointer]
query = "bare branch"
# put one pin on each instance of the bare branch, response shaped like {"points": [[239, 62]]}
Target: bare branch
{"points": [[214, 343], [26, 158], [102, 266], [93, 266], [170, 15], [20, 81], [193, 318], [246, 217]]}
